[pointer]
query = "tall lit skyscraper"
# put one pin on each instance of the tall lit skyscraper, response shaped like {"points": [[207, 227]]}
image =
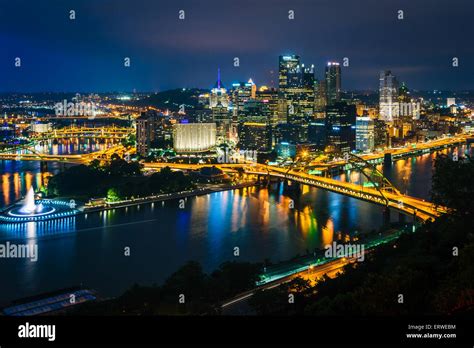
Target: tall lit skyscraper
{"points": [[286, 65], [340, 126], [299, 95], [365, 134], [219, 105], [269, 96], [388, 94], [145, 131], [333, 83], [218, 96], [241, 93]]}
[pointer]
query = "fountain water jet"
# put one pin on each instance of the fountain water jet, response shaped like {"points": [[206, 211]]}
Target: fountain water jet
{"points": [[29, 206]]}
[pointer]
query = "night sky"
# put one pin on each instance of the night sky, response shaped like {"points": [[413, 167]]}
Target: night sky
{"points": [[86, 54]]}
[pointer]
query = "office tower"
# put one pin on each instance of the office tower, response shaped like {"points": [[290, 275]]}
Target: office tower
{"points": [[333, 83], [219, 105], [194, 137], [255, 136], [290, 133], [407, 106], [380, 133], [296, 95], [218, 96], [388, 96], [254, 110], [146, 131], [299, 95], [340, 126], [286, 65], [365, 134], [241, 92], [320, 100], [403, 94], [317, 133], [269, 96]]}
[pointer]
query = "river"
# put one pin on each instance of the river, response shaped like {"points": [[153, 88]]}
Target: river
{"points": [[89, 250]]}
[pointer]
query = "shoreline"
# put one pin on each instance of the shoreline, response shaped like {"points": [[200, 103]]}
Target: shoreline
{"points": [[166, 196]]}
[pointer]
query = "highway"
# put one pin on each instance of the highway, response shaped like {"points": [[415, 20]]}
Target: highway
{"points": [[313, 274]]}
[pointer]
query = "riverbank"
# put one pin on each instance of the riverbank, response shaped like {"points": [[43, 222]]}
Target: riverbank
{"points": [[167, 196]]}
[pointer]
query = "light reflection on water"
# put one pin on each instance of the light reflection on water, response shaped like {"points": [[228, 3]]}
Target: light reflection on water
{"points": [[259, 221]]}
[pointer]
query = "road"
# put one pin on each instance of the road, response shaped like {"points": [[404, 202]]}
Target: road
{"points": [[237, 304]]}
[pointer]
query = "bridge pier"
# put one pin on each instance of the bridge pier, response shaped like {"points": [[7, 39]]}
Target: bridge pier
{"points": [[43, 166], [291, 185], [387, 160]]}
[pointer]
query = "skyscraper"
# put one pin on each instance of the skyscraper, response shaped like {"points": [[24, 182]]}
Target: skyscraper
{"points": [[340, 126], [146, 131], [333, 83], [296, 95], [219, 105], [388, 96], [286, 64], [241, 93], [365, 134]]}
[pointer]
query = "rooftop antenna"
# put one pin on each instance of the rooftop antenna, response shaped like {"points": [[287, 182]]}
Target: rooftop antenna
{"points": [[219, 78]]}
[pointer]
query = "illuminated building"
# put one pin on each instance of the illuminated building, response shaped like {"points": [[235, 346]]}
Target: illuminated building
{"points": [[41, 127], [218, 94], [365, 134], [241, 93], [317, 133], [340, 126], [291, 133], [286, 150], [380, 133], [269, 97], [255, 136], [146, 131], [219, 105], [388, 96], [296, 95], [194, 137], [450, 102], [333, 83], [320, 101]]}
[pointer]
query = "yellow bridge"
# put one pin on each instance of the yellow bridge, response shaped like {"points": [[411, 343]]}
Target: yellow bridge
{"points": [[390, 198], [106, 154], [72, 132]]}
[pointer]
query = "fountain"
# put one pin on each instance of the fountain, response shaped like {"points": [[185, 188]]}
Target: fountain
{"points": [[29, 206], [29, 209]]}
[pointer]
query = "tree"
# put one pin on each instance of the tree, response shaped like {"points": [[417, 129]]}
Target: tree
{"points": [[453, 185], [113, 195]]}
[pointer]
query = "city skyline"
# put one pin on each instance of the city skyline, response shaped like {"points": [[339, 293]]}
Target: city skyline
{"points": [[87, 53]]}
